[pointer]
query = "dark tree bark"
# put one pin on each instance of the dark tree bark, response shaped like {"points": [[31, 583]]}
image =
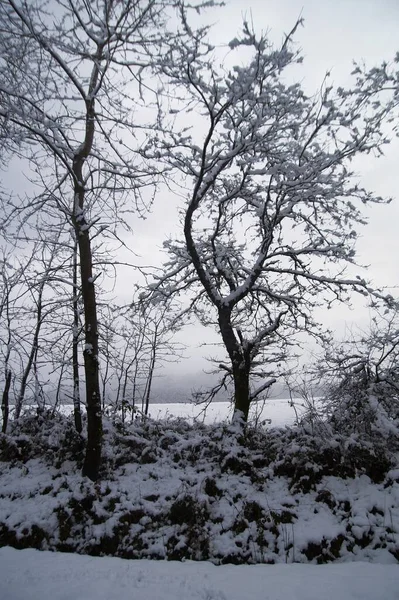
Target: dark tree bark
{"points": [[150, 374], [92, 460], [4, 402], [240, 366], [77, 415], [90, 354], [242, 398]]}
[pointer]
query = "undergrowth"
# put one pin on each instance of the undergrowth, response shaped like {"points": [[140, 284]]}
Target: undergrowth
{"points": [[171, 490]]}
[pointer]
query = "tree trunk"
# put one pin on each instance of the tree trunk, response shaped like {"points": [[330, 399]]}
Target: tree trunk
{"points": [[77, 414], [58, 391], [5, 399], [150, 377], [241, 393], [39, 395], [4, 402], [92, 460], [90, 354], [134, 389], [104, 376], [121, 389], [240, 366]]}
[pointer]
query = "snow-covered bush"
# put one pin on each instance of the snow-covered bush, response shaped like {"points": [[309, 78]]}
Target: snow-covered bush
{"points": [[171, 490], [48, 434], [361, 385]]}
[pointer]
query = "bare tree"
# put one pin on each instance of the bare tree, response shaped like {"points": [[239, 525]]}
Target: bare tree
{"points": [[137, 340], [160, 323], [130, 362], [272, 207], [32, 298], [71, 81], [8, 282], [42, 310]]}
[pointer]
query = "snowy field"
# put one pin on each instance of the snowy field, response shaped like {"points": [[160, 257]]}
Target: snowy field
{"points": [[278, 412], [34, 575]]}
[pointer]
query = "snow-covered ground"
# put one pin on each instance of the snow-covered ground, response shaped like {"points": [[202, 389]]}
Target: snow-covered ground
{"points": [[174, 490], [278, 412], [34, 575], [178, 491]]}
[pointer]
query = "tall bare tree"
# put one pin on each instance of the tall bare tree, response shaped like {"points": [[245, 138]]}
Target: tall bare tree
{"points": [[137, 341], [71, 84]]}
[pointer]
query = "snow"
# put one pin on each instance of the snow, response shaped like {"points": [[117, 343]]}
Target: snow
{"points": [[172, 490], [34, 575], [278, 412]]}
